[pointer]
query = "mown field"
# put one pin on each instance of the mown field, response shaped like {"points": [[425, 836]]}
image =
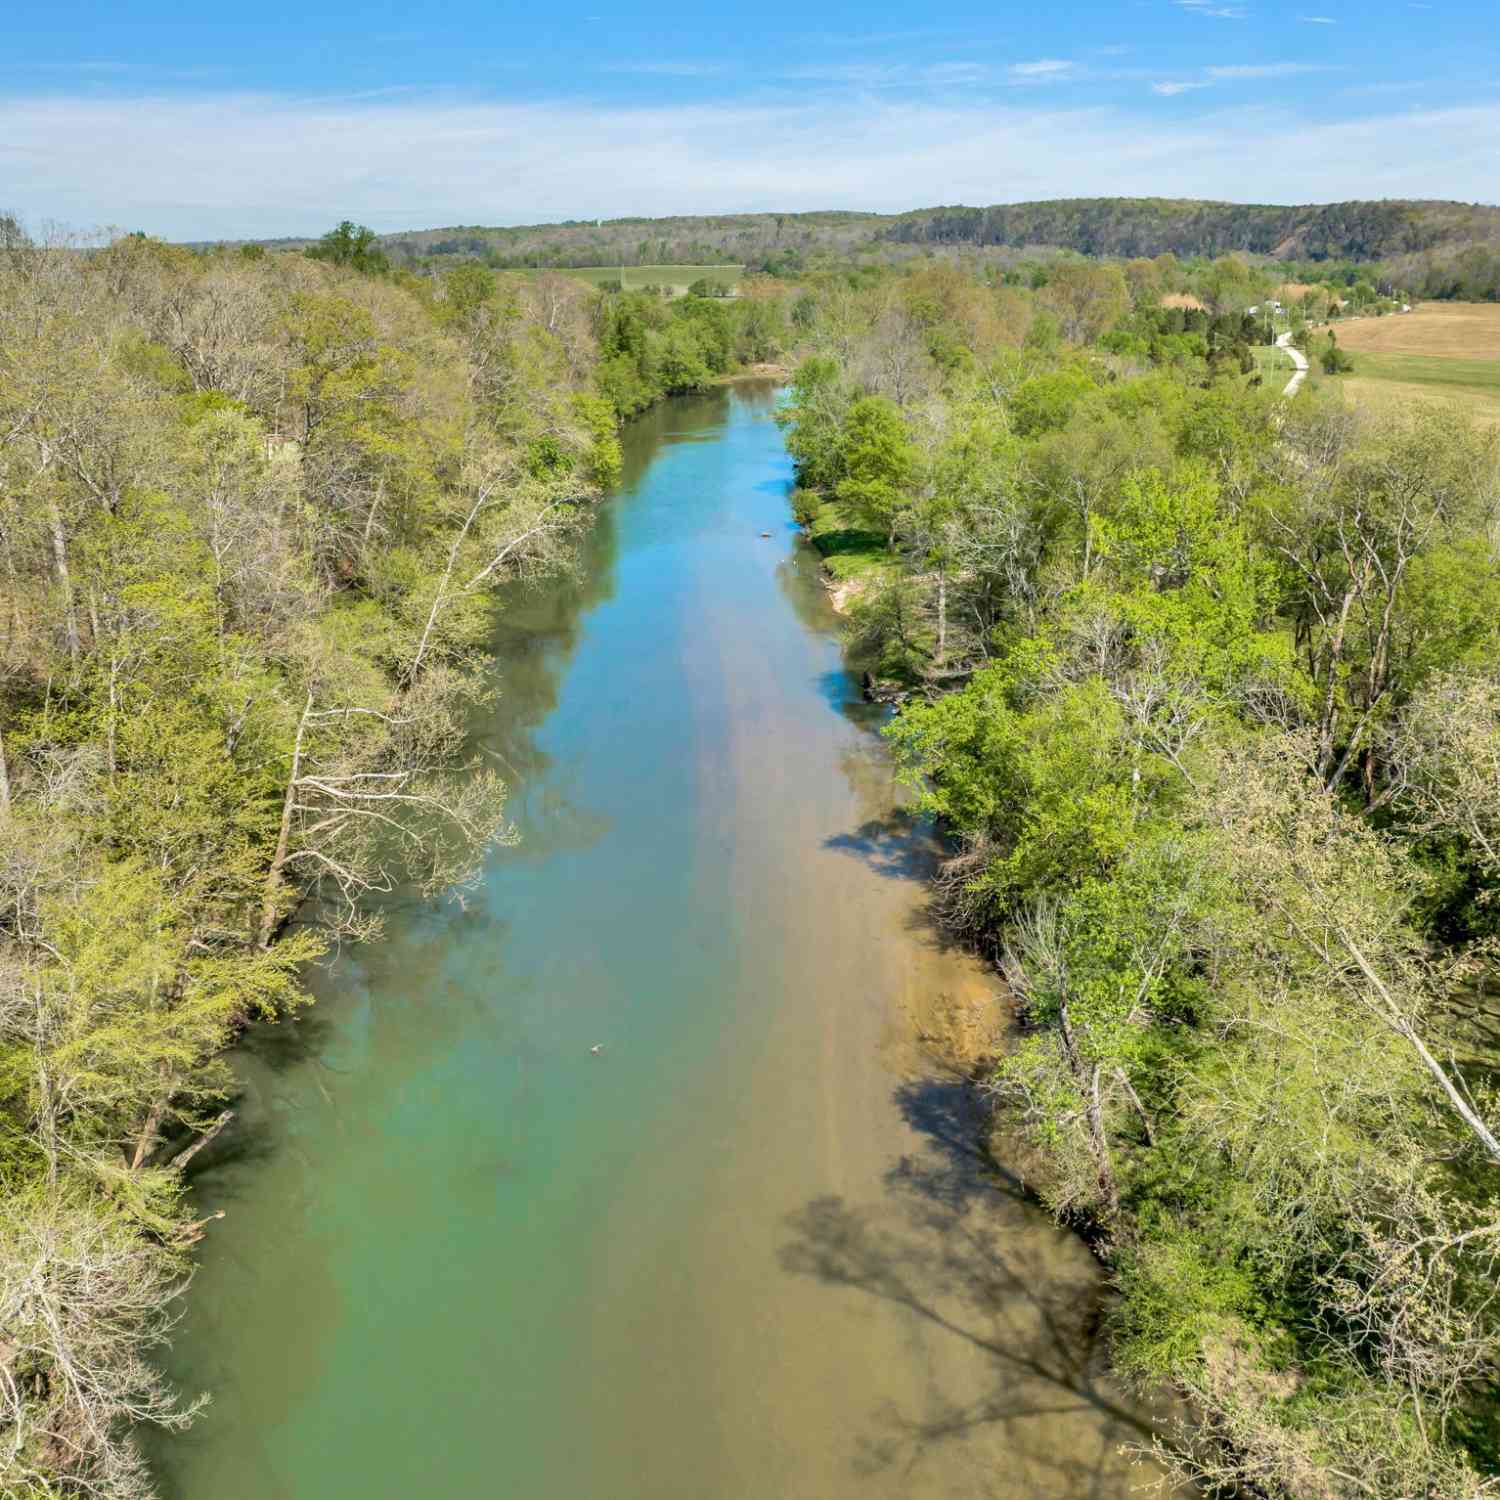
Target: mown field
{"points": [[679, 277], [1444, 351]]}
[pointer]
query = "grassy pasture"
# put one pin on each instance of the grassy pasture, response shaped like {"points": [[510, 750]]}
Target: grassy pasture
{"points": [[679, 278], [1272, 362], [848, 548], [1444, 351]]}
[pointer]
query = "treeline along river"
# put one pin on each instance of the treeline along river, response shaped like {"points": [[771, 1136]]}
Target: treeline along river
{"points": [[746, 1249]]}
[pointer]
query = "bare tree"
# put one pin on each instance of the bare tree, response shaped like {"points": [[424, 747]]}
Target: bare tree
{"points": [[377, 793], [85, 1299]]}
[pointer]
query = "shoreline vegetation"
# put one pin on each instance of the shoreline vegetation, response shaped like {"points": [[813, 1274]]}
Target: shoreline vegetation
{"points": [[253, 509], [1201, 683]]}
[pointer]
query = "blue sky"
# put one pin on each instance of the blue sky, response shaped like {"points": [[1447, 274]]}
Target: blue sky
{"points": [[281, 118]]}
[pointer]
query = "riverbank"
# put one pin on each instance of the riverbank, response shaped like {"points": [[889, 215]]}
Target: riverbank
{"points": [[749, 1247]]}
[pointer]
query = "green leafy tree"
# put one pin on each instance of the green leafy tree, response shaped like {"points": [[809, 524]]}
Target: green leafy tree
{"points": [[352, 245]]}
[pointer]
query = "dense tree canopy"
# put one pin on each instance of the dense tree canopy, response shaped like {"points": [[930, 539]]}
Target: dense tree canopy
{"points": [[1204, 688], [253, 511]]}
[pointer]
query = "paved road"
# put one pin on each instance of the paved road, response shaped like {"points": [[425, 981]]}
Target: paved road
{"points": [[1284, 341]]}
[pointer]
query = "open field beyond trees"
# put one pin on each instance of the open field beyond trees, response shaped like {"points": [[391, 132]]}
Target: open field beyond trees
{"points": [[1443, 351], [1448, 330], [676, 277]]}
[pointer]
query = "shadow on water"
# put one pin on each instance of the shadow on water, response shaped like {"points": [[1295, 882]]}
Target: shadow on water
{"points": [[957, 1169], [941, 1246], [839, 689], [892, 846]]}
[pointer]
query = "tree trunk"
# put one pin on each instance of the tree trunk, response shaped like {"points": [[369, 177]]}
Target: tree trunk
{"points": [[109, 738], [147, 1137], [183, 1157], [17, 626], [64, 578], [443, 582], [942, 640], [4, 778], [1088, 1085], [374, 507], [284, 838], [1109, 1189], [1396, 1019], [1140, 1108]]}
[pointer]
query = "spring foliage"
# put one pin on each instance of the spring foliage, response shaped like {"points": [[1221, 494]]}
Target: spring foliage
{"points": [[1204, 687], [253, 509]]}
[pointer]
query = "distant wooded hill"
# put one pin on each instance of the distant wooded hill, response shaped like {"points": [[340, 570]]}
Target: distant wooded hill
{"points": [[1185, 226], [1356, 231]]}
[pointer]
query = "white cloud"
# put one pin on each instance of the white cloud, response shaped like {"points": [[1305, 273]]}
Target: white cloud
{"points": [[1318, 20], [1266, 70], [1177, 86], [1047, 67], [1218, 12], [227, 165]]}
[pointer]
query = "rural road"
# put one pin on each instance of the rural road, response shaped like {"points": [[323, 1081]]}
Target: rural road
{"points": [[1284, 341]]}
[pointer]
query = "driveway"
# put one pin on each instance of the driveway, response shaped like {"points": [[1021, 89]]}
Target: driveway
{"points": [[1284, 341]]}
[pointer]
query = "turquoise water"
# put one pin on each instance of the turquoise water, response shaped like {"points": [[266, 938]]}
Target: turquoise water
{"points": [[743, 1251]]}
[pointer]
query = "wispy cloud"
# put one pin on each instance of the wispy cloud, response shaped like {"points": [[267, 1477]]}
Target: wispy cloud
{"points": [[1403, 86], [843, 41], [1178, 86], [1046, 68], [657, 69], [157, 162], [855, 75], [1318, 20], [78, 66], [1217, 12], [1266, 70]]}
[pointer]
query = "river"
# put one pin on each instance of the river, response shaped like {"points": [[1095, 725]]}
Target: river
{"points": [[744, 1252]]}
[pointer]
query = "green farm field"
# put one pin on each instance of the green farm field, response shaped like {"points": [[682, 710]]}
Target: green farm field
{"points": [[1387, 380], [679, 278]]}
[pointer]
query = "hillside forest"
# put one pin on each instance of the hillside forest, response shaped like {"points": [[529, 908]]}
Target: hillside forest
{"points": [[1200, 684], [1423, 249]]}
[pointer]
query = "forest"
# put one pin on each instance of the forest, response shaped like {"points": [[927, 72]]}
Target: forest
{"points": [[1431, 249], [1199, 684], [253, 510], [1203, 686]]}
